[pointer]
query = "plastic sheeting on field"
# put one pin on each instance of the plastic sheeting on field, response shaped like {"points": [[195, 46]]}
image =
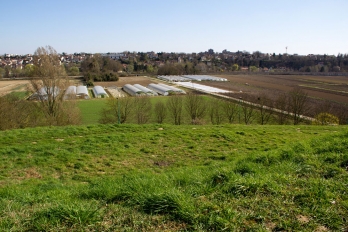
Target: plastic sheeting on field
{"points": [[173, 78], [204, 78], [203, 88]]}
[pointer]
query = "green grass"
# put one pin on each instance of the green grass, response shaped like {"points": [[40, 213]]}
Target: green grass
{"points": [[195, 178], [90, 110], [20, 94]]}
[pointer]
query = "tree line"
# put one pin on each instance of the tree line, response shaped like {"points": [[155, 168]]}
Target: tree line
{"points": [[197, 109]]}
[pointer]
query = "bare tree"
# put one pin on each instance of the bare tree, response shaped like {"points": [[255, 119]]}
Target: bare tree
{"points": [[265, 109], [195, 106], [48, 84], [247, 111], [216, 111], [281, 104], [230, 110], [297, 104], [175, 104], [117, 110], [142, 108], [160, 111]]}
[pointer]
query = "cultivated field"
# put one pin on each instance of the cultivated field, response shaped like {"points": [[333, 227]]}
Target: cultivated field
{"points": [[332, 88], [328, 93], [7, 87]]}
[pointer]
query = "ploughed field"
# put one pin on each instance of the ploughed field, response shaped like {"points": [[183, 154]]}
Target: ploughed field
{"points": [[321, 89]]}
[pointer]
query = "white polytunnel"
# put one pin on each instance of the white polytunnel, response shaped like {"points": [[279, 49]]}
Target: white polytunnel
{"points": [[131, 90], [145, 90], [82, 91], [174, 89], [99, 92], [159, 89]]}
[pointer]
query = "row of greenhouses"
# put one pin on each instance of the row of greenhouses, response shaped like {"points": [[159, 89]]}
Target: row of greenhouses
{"points": [[82, 92], [151, 90]]}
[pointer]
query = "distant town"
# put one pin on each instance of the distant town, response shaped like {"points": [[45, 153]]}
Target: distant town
{"points": [[13, 65]]}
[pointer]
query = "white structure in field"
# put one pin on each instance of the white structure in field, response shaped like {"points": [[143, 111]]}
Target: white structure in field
{"points": [[133, 91], [159, 89], [173, 89], [79, 92], [82, 92], [99, 92], [145, 90], [173, 78], [46, 92], [204, 78], [71, 90], [165, 89], [203, 88]]}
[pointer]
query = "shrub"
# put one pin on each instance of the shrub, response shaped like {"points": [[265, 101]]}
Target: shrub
{"points": [[326, 119]]}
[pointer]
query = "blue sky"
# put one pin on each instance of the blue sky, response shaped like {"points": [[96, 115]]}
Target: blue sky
{"points": [[305, 26]]}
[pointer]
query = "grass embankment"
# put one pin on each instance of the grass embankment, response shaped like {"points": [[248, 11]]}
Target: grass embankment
{"points": [[162, 177]]}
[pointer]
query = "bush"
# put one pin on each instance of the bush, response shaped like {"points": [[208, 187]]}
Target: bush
{"points": [[326, 119]]}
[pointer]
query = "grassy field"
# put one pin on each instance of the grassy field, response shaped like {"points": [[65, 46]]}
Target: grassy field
{"points": [[174, 178], [91, 109]]}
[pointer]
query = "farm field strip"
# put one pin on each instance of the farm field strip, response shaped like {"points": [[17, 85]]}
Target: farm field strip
{"points": [[321, 88]]}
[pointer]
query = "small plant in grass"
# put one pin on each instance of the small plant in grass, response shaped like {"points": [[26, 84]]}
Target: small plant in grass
{"points": [[69, 216]]}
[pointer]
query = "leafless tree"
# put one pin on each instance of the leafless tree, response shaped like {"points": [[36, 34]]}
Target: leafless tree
{"points": [[160, 111], [117, 110], [265, 110], [48, 84], [281, 104], [142, 108], [195, 106], [230, 110], [247, 111], [216, 111], [297, 104], [175, 104]]}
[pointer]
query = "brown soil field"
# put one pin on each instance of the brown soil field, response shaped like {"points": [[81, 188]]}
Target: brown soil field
{"points": [[326, 94], [8, 86], [333, 89]]}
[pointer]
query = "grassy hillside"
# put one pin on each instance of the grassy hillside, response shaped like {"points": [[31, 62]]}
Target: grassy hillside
{"points": [[164, 177]]}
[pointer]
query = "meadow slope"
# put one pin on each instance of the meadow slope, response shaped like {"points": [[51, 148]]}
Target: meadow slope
{"points": [[173, 178]]}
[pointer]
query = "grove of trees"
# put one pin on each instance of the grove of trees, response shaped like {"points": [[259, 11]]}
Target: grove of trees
{"points": [[98, 68]]}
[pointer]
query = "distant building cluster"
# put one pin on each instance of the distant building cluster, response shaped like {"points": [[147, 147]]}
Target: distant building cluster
{"points": [[208, 61]]}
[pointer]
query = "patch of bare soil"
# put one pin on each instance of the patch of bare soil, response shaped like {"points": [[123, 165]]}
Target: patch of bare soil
{"points": [[9, 86], [331, 95]]}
